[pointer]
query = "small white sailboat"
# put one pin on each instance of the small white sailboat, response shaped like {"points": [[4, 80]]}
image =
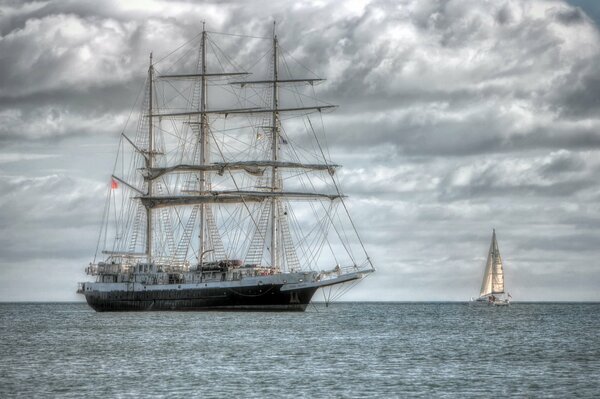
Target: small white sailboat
{"points": [[492, 287]]}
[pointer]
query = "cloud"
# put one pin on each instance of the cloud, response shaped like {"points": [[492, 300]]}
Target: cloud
{"points": [[16, 157], [46, 200], [454, 117], [65, 51], [560, 173]]}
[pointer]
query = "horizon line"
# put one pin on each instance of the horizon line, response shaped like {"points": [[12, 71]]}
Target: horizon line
{"points": [[363, 301]]}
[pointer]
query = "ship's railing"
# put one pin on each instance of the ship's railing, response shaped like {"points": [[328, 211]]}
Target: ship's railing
{"points": [[256, 271], [170, 265], [123, 268], [107, 268], [338, 271], [180, 268]]}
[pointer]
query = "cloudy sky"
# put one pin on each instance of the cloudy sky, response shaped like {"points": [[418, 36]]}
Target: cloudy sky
{"points": [[455, 117]]}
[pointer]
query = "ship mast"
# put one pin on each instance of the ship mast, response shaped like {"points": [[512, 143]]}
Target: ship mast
{"points": [[203, 147], [202, 167], [149, 163], [274, 157]]}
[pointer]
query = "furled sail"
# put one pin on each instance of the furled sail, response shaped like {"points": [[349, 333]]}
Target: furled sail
{"points": [[225, 196], [222, 168]]}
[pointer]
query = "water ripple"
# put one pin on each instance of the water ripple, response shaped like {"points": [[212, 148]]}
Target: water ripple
{"points": [[349, 350]]}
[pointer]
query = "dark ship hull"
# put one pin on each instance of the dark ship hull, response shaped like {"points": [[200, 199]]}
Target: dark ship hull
{"points": [[263, 298]]}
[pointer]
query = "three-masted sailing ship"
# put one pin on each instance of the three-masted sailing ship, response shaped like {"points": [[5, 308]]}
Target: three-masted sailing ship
{"points": [[492, 287], [224, 196]]}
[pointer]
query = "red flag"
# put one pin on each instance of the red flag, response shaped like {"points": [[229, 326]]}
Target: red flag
{"points": [[113, 184]]}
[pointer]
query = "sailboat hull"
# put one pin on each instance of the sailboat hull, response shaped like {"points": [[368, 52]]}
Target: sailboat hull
{"points": [[486, 300], [486, 303], [263, 298]]}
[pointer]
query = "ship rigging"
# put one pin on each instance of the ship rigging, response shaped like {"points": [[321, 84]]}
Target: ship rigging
{"points": [[225, 196]]}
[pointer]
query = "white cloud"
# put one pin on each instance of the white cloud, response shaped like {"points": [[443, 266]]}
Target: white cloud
{"points": [[455, 117], [18, 157]]}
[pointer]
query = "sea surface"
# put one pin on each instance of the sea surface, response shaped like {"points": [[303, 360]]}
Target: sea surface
{"points": [[346, 350]]}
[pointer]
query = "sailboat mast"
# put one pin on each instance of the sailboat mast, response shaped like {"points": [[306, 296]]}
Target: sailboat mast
{"points": [[149, 163], [493, 258], [203, 147], [274, 156]]}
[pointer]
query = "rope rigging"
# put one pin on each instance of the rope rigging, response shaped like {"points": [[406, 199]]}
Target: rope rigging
{"points": [[312, 235]]}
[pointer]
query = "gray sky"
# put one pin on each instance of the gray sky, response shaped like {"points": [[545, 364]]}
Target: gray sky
{"points": [[455, 117]]}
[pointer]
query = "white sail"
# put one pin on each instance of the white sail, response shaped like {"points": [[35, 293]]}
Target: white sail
{"points": [[497, 271], [486, 285], [493, 276]]}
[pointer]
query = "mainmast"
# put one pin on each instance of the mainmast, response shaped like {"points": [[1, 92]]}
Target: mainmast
{"points": [[274, 157], [149, 163], [203, 147]]}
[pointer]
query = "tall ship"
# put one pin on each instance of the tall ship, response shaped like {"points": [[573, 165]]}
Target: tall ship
{"points": [[492, 287], [224, 195]]}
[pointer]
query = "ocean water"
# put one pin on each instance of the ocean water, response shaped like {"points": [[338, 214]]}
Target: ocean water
{"points": [[347, 350]]}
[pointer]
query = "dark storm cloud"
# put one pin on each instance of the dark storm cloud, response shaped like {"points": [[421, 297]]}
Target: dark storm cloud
{"points": [[78, 100], [560, 174], [372, 62], [570, 16], [434, 130], [562, 163], [579, 94], [524, 62], [455, 116]]}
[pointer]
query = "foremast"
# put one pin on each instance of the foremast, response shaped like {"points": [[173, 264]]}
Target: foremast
{"points": [[149, 159]]}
